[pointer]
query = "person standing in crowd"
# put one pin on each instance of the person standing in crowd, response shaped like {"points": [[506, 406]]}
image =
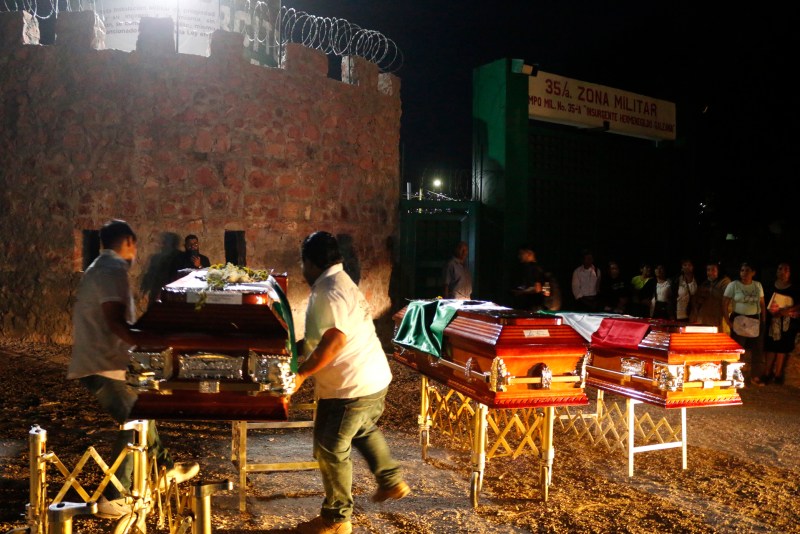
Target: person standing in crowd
{"points": [[707, 304], [614, 290], [746, 296], [191, 258], [642, 290], [586, 284], [684, 289], [661, 302], [457, 277], [781, 327], [529, 291], [351, 377], [102, 336]]}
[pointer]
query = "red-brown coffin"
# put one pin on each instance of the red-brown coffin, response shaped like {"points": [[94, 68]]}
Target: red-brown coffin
{"points": [[518, 345], [220, 329], [674, 366]]}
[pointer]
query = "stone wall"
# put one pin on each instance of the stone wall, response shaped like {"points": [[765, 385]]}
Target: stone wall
{"points": [[183, 144]]}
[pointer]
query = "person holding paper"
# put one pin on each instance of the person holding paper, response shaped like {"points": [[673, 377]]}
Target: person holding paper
{"points": [[781, 327]]}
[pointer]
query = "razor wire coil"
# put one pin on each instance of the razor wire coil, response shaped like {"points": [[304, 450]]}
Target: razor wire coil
{"points": [[330, 35]]}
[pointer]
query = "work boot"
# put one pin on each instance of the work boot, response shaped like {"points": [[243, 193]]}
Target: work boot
{"points": [[398, 491], [113, 509], [183, 471], [179, 472], [320, 525]]}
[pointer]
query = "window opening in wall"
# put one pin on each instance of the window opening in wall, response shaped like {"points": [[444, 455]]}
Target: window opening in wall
{"points": [[90, 248], [235, 247]]}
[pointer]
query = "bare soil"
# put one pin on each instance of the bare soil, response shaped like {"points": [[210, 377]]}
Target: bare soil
{"points": [[743, 473]]}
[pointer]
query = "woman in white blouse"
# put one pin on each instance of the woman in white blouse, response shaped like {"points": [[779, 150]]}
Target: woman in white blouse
{"points": [[745, 297]]}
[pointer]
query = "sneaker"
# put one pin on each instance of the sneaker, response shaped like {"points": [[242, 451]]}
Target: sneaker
{"points": [[183, 471], [320, 525], [113, 509], [397, 491]]}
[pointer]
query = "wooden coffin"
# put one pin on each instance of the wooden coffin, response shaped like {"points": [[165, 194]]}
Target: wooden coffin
{"points": [[226, 354], [505, 358], [672, 365]]}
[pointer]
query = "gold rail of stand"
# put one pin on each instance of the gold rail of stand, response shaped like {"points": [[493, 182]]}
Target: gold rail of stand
{"points": [[239, 456], [178, 509], [488, 433], [617, 428]]}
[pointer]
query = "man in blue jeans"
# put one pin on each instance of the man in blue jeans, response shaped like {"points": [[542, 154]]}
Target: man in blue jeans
{"points": [[351, 376], [101, 338]]}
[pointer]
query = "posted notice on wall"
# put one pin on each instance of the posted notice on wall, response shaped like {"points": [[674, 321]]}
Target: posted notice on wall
{"points": [[554, 98]]}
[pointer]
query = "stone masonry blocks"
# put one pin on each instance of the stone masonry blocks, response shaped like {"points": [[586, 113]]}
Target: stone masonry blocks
{"points": [[184, 144], [305, 61], [358, 71], [156, 36], [76, 30], [227, 46], [18, 28]]}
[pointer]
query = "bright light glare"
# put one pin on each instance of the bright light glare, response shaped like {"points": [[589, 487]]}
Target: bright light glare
{"points": [[437, 183]]}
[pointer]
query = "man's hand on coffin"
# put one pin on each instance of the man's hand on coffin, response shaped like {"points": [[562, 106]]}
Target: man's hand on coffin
{"points": [[114, 312], [149, 340], [329, 347]]}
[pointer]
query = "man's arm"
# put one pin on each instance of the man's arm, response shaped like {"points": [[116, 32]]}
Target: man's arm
{"points": [[329, 347], [114, 312]]}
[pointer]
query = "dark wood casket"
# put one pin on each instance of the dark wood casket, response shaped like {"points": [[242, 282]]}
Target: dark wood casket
{"points": [[502, 358], [667, 364], [227, 354]]}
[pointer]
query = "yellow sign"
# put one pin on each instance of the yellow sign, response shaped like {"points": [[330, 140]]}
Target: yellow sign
{"points": [[563, 100]]}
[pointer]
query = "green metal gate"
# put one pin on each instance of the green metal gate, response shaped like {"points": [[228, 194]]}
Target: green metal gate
{"points": [[429, 232]]}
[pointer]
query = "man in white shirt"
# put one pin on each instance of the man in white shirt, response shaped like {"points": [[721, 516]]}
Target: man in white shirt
{"points": [[351, 376], [586, 284], [457, 276], [685, 288], [101, 338]]}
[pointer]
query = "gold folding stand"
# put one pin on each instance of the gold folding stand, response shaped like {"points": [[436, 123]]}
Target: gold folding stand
{"points": [[239, 448]]}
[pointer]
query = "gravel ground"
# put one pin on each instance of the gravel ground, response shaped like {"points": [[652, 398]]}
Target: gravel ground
{"points": [[743, 473]]}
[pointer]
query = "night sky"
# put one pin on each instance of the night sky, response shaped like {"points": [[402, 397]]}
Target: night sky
{"points": [[725, 69]]}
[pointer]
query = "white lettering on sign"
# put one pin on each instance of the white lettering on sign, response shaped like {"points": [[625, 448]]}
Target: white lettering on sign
{"points": [[536, 333], [215, 297], [564, 100]]}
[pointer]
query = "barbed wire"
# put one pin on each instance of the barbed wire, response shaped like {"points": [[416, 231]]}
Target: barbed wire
{"points": [[32, 7], [331, 35], [337, 36]]}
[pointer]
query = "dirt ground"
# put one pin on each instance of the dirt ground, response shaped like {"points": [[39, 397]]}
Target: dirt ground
{"points": [[743, 466]]}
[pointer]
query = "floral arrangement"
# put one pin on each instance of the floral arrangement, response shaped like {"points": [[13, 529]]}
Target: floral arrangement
{"points": [[218, 276]]}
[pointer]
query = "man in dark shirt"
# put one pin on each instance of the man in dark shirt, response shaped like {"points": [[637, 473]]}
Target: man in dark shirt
{"points": [[615, 292], [529, 291], [191, 258]]}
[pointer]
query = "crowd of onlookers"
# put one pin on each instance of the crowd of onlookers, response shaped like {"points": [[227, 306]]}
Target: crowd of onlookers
{"points": [[764, 320]]}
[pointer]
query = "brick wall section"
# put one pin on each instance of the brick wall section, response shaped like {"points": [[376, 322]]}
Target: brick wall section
{"points": [[184, 144]]}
